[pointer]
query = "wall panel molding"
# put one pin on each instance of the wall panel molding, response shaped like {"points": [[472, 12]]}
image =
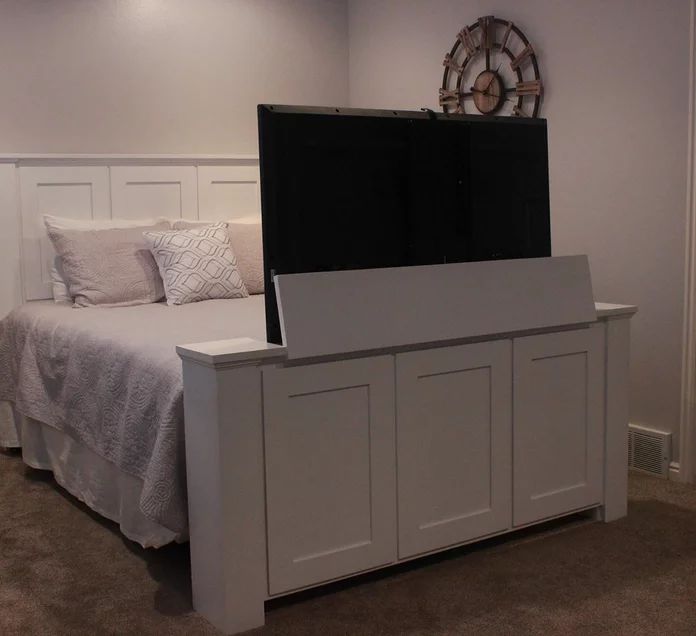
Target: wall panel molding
{"points": [[117, 159], [102, 186], [150, 191], [228, 192], [11, 292], [76, 192]]}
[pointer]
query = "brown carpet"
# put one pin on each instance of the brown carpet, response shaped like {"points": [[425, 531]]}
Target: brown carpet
{"points": [[63, 570]]}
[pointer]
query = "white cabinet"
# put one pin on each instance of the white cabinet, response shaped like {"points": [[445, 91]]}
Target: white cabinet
{"points": [[453, 444], [558, 429], [330, 491], [463, 441]]}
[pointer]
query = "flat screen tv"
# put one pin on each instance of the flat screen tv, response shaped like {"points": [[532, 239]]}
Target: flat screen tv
{"points": [[353, 189]]}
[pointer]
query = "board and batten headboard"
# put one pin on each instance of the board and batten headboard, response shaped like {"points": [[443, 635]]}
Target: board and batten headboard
{"points": [[107, 187]]}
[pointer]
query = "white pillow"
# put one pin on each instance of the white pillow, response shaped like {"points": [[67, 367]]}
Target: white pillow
{"points": [[196, 264], [111, 267], [64, 223], [59, 283], [247, 244], [59, 286], [253, 219]]}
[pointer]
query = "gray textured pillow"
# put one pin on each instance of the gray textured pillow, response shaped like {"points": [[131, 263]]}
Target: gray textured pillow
{"points": [[111, 267], [196, 264], [247, 245]]}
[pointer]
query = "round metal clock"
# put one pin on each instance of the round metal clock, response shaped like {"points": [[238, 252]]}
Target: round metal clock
{"points": [[492, 70]]}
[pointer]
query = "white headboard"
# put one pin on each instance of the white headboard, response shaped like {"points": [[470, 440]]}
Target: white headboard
{"points": [[104, 187]]}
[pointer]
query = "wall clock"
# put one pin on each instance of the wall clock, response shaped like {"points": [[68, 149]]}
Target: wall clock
{"points": [[491, 70]]}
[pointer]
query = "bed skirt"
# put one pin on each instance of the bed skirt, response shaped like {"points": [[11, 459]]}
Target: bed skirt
{"points": [[90, 478], [8, 429]]}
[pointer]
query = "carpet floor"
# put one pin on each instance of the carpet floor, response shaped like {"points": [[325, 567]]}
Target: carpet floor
{"points": [[64, 570]]}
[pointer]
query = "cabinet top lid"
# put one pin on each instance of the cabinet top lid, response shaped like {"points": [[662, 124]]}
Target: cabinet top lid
{"points": [[608, 309], [329, 313]]}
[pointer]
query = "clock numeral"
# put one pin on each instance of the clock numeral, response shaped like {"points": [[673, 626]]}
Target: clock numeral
{"points": [[519, 112], [452, 65], [449, 98], [506, 35], [487, 28], [467, 41], [526, 52], [532, 87]]}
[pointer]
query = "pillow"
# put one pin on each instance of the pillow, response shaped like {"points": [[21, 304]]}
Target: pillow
{"points": [[108, 267], [247, 244], [59, 284], [64, 223], [196, 264]]}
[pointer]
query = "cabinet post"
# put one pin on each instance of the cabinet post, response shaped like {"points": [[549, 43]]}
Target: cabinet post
{"points": [[616, 418], [223, 415]]}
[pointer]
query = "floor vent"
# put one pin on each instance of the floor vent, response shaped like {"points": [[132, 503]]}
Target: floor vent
{"points": [[649, 451]]}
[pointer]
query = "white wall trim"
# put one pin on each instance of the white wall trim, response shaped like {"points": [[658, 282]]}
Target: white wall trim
{"points": [[57, 158], [687, 428]]}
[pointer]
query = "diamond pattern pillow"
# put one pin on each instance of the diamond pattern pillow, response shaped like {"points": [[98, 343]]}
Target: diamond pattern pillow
{"points": [[196, 264], [247, 244]]}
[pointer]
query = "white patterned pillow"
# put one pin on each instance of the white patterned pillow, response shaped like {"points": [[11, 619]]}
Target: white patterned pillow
{"points": [[196, 264], [247, 244]]}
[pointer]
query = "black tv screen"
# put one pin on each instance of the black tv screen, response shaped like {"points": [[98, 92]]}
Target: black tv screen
{"points": [[354, 189]]}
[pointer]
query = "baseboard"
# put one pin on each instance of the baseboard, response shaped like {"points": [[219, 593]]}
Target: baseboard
{"points": [[674, 471]]}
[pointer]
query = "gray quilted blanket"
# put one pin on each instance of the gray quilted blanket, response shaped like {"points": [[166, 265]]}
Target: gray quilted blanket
{"points": [[111, 379]]}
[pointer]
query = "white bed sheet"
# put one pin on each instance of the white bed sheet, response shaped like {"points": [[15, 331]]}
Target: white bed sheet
{"points": [[77, 464]]}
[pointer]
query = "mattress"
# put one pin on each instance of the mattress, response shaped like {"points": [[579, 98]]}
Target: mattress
{"points": [[110, 380]]}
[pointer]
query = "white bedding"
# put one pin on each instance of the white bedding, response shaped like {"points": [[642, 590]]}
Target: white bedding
{"points": [[110, 380], [8, 430], [97, 482]]}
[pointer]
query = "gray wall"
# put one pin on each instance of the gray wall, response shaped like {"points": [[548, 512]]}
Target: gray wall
{"points": [[184, 76], [161, 76], [617, 78]]}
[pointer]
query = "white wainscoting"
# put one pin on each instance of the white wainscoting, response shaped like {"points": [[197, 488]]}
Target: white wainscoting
{"points": [[228, 192], [78, 192], [10, 232], [140, 192], [103, 187]]}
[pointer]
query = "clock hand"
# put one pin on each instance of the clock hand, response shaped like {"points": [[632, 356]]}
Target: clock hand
{"points": [[495, 73], [477, 90]]}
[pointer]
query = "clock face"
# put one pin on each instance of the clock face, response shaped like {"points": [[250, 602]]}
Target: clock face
{"points": [[491, 70]]}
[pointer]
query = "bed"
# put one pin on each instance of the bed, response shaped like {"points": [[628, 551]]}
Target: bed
{"points": [[96, 396], [385, 428]]}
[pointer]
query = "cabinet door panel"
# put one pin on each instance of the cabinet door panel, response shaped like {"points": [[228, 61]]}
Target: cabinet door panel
{"points": [[330, 470], [453, 444], [558, 423]]}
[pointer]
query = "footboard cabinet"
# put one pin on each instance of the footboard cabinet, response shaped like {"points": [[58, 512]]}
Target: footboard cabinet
{"points": [[558, 413], [329, 440], [377, 434], [453, 413]]}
